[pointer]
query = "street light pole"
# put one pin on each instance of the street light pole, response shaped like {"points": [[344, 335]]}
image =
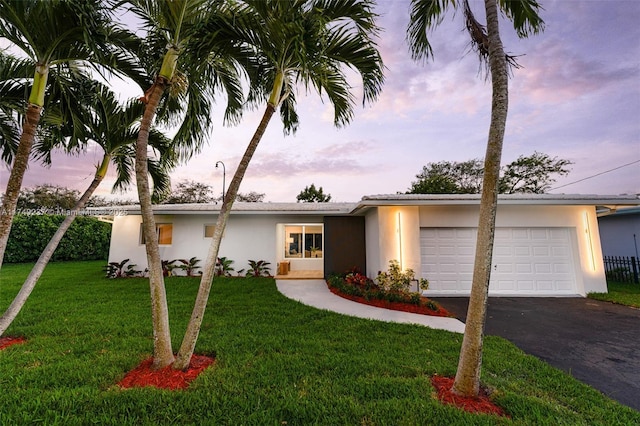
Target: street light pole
{"points": [[224, 175]]}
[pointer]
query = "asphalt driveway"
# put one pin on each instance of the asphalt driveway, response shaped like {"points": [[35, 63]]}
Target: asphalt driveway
{"points": [[596, 342]]}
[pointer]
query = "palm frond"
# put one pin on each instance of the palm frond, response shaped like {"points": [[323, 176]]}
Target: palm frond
{"points": [[424, 16], [525, 16]]}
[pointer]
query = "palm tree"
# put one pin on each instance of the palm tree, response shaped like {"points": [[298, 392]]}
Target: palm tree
{"points": [[425, 16], [194, 82], [297, 41], [59, 38], [114, 129]]}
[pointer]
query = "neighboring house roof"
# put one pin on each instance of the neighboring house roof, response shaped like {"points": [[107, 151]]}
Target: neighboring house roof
{"points": [[623, 212], [604, 202]]}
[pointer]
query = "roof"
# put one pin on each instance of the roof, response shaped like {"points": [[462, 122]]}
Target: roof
{"points": [[564, 199], [607, 202], [625, 211], [248, 208]]}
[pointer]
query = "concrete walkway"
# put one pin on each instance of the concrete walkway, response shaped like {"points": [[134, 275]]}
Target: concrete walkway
{"points": [[316, 293]]}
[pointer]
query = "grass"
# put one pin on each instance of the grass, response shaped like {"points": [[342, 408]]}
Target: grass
{"points": [[621, 293], [278, 362]]}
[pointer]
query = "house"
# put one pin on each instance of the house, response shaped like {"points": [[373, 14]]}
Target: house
{"points": [[545, 245], [620, 232]]}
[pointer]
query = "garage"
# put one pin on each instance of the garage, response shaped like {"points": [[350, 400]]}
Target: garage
{"points": [[526, 261]]}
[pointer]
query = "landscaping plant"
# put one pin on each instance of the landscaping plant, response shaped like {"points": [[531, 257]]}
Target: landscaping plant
{"points": [[398, 281], [259, 268], [224, 268], [117, 270], [189, 265]]}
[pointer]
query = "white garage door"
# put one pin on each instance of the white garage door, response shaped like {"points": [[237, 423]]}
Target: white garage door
{"points": [[526, 261]]}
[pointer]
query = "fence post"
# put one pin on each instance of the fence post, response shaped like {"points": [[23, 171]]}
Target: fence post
{"points": [[634, 266]]}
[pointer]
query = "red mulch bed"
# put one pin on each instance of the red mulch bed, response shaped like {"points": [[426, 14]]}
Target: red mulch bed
{"points": [[5, 342], [396, 306], [165, 378], [481, 404]]}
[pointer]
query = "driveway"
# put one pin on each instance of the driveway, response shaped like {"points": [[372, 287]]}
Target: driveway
{"points": [[596, 342]]}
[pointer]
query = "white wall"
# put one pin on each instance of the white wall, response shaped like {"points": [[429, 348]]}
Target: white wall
{"points": [[393, 233], [246, 237]]}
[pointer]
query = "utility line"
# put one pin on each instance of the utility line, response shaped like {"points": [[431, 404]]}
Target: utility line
{"points": [[598, 174]]}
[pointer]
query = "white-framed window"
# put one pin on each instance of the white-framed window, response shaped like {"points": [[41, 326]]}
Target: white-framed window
{"points": [[164, 232], [303, 241]]}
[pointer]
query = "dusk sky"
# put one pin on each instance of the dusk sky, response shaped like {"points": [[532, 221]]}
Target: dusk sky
{"points": [[577, 97]]}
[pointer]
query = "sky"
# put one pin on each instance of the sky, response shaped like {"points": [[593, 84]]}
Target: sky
{"points": [[576, 97]]}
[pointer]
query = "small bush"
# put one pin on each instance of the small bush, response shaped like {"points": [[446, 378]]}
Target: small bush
{"points": [[259, 268], [189, 266], [398, 281], [117, 270]]}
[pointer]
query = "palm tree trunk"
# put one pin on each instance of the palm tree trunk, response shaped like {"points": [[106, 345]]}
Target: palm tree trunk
{"points": [[20, 163], [162, 351], [193, 328], [467, 381], [25, 291]]}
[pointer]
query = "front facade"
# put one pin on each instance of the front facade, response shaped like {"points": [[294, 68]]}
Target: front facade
{"points": [[545, 245]]}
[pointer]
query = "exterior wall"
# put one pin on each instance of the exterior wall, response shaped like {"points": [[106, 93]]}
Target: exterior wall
{"points": [[344, 243], [620, 234], [397, 238], [372, 242], [246, 237]]}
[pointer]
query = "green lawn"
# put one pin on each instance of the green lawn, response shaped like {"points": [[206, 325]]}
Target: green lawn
{"points": [[622, 293], [278, 362]]}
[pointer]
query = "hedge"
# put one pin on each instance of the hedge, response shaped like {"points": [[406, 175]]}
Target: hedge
{"points": [[86, 239]]}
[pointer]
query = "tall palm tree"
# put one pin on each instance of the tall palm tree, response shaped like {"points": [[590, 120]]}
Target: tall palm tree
{"points": [[194, 80], [114, 129], [57, 37], [310, 42], [425, 16]]}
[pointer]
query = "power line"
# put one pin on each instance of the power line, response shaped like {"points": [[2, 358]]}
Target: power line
{"points": [[597, 174]]}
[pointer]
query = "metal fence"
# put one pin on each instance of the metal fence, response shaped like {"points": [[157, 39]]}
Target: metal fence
{"points": [[622, 269]]}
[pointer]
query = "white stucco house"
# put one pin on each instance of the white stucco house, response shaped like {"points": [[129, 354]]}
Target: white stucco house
{"points": [[546, 245]]}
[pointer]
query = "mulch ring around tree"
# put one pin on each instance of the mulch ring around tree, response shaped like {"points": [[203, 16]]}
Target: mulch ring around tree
{"points": [[395, 306], [167, 377], [481, 404], [7, 341]]}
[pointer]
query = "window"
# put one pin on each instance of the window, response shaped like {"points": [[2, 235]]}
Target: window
{"points": [[164, 231], [303, 241], [209, 230]]}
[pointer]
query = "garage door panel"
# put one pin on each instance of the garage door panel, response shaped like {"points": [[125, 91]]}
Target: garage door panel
{"points": [[541, 251], [525, 261]]}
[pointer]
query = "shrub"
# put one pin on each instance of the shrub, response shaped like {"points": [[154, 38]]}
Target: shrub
{"points": [[116, 270], [168, 267], [86, 239], [397, 281], [259, 268], [224, 268], [189, 265], [393, 286]]}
